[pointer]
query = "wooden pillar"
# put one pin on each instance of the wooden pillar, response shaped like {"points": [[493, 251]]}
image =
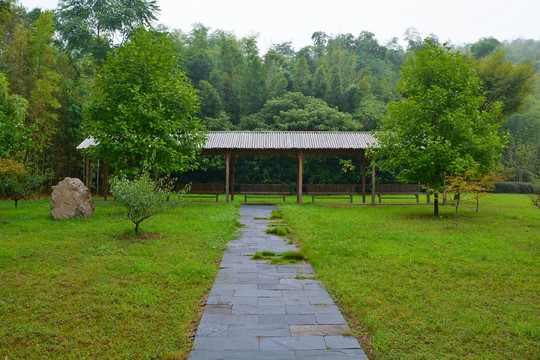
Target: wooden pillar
{"points": [[233, 160], [373, 182], [364, 177], [299, 181], [88, 172], [97, 178], [227, 168], [106, 179]]}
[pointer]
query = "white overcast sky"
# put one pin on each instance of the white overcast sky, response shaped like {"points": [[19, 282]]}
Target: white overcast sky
{"points": [[277, 21]]}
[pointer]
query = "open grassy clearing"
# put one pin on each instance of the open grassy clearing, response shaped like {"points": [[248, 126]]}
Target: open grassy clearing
{"points": [[415, 288], [87, 288]]}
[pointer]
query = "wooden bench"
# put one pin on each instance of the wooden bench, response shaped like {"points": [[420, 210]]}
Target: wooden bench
{"points": [[203, 190], [400, 191], [331, 191], [264, 191]]}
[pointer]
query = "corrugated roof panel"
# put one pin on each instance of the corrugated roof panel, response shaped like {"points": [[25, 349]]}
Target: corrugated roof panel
{"points": [[283, 140], [279, 140]]}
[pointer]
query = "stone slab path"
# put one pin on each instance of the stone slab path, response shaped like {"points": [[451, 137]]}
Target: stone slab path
{"points": [[256, 310]]}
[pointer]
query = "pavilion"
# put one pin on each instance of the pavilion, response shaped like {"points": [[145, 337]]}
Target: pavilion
{"points": [[299, 144]]}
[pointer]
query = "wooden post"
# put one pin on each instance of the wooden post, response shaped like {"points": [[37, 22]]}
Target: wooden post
{"points": [[155, 177], [97, 178], [299, 181], [364, 177], [373, 182], [227, 165], [233, 160], [106, 180], [88, 172]]}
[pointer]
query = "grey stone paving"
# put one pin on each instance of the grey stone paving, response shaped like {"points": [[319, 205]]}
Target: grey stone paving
{"points": [[256, 310]]}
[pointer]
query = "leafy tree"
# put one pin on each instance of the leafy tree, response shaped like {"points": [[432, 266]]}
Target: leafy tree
{"points": [[142, 198], [470, 184], [370, 113], [12, 112], [522, 158], [438, 130], [301, 76], [221, 122], [336, 87], [90, 26], [211, 104], [484, 47], [321, 81], [252, 94], [278, 86], [505, 82], [142, 108], [285, 48], [296, 112], [16, 182]]}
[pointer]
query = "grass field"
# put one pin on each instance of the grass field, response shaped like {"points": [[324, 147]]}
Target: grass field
{"points": [[412, 287], [89, 289]]}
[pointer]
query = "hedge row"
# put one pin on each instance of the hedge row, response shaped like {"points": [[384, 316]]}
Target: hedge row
{"points": [[515, 188]]}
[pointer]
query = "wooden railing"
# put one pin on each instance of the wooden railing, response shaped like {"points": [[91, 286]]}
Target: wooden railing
{"points": [[331, 191], [264, 191], [203, 190], [400, 191], [323, 191]]}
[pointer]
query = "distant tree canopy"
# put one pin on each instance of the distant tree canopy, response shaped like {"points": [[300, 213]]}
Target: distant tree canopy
{"points": [[296, 112], [484, 47], [92, 26]]}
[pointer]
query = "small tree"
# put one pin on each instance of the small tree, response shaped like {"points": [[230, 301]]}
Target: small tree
{"points": [[16, 182], [470, 185], [142, 198]]}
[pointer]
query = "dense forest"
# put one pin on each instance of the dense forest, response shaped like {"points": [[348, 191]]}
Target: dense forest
{"points": [[344, 82]]}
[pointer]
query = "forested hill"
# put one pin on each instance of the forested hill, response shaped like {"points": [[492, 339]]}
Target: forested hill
{"points": [[356, 75], [48, 62]]}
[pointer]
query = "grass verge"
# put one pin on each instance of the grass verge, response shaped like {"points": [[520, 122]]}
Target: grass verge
{"points": [[415, 288], [89, 288]]}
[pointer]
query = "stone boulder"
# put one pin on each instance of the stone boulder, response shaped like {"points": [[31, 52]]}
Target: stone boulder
{"points": [[71, 199]]}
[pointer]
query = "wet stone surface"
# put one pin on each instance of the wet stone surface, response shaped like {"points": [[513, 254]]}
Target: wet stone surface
{"points": [[256, 310]]}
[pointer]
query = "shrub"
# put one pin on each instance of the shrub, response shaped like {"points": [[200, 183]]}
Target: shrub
{"points": [[16, 182], [513, 188], [142, 198]]}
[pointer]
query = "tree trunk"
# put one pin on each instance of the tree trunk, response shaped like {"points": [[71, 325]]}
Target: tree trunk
{"points": [[457, 206], [16, 200], [457, 199], [435, 204], [477, 201], [136, 228]]}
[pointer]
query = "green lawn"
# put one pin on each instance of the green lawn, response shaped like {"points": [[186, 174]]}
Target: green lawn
{"points": [[89, 289], [414, 288]]}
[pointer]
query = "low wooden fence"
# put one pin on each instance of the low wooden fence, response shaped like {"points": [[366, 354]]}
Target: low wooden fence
{"points": [[203, 190], [264, 191], [322, 191]]}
